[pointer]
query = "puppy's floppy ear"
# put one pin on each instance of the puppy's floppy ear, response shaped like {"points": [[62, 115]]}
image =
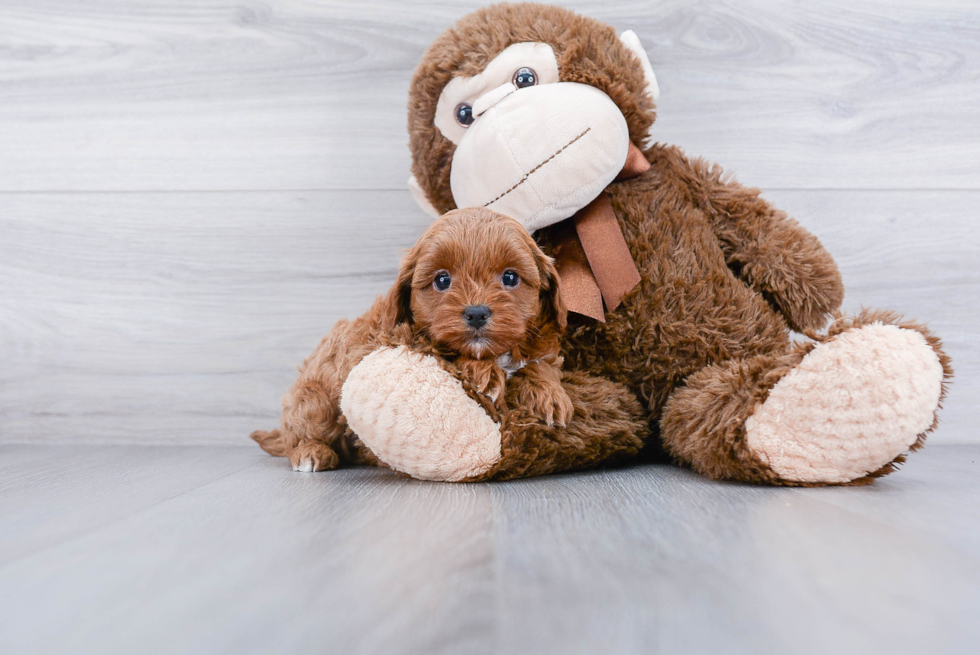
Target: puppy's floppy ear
{"points": [[553, 308], [398, 302]]}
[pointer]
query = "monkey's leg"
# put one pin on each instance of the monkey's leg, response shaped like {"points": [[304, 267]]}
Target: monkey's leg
{"points": [[417, 418], [841, 411], [608, 425]]}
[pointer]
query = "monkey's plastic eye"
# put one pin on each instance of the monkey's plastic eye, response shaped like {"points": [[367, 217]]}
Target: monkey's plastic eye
{"points": [[464, 114], [525, 77], [442, 281], [510, 279]]}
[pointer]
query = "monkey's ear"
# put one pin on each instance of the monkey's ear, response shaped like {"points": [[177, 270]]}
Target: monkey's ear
{"points": [[632, 41], [419, 195], [398, 302], [552, 304]]}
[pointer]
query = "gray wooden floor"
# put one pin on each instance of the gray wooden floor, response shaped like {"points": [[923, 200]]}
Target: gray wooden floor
{"points": [[226, 550]]}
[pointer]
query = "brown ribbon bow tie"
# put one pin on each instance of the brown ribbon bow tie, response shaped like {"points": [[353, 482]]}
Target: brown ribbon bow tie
{"points": [[591, 255]]}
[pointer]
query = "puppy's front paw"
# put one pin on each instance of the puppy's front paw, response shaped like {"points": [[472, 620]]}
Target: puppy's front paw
{"points": [[550, 403], [484, 377], [310, 457]]}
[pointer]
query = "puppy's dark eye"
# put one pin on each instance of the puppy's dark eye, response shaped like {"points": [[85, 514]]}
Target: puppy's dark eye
{"points": [[442, 281], [464, 114], [525, 77], [510, 279]]}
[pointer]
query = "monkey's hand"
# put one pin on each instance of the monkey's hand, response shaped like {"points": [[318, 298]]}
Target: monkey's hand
{"points": [[411, 411]]}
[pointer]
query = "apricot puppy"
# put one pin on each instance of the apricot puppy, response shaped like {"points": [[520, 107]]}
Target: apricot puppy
{"points": [[477, 292]]}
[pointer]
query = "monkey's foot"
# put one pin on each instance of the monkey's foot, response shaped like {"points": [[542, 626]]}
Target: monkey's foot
{"points": [[417, 418], [851, 407]]}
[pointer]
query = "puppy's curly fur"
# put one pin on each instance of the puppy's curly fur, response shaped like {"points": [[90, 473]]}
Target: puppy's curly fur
{"points": [[472, 258]]}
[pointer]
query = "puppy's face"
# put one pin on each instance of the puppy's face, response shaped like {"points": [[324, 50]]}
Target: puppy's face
{"points": [[478, 285]]}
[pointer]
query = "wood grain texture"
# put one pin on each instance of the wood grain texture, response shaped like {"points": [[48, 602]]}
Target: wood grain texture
{"points": [[188, 95], [180, 317], [255, 558], [164, 317]]}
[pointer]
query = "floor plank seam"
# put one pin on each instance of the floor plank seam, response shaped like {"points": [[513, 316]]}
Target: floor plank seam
{"points": [[120, 518]]}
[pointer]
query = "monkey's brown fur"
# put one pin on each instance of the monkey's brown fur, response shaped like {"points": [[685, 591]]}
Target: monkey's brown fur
{"points": [[474, 247], [725, 276]]}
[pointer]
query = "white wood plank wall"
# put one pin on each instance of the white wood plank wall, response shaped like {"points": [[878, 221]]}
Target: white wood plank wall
{"points": [[193, 191]]}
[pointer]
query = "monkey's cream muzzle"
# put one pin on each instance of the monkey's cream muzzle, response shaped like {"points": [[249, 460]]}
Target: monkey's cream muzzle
{"points": [[541, 153]]}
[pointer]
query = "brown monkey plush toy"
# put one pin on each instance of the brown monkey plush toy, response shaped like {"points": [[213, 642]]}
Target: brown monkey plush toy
{"points": [[685, 285]]}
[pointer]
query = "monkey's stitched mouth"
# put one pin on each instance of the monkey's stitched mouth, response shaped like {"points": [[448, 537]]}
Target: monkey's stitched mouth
{"points": [[538, 167]]}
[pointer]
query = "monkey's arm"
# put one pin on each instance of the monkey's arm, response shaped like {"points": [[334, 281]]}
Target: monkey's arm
{"points": [[769, 250]]}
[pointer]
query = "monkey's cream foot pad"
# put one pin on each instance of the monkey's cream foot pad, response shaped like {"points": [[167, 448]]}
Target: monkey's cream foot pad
{"points": [[853, 405], [417, 418]]}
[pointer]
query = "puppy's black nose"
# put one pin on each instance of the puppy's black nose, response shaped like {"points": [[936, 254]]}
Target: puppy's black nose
{"points": [[476, 315]]}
